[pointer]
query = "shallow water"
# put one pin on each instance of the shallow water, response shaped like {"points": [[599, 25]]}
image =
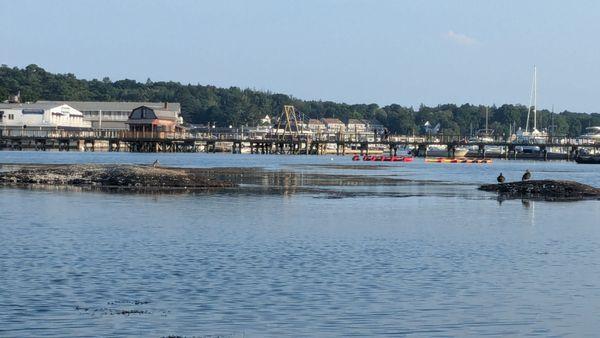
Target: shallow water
{"points": [[446, 260]]}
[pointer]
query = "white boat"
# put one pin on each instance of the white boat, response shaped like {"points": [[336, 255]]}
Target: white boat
{"points": [[592, 134], [533, 136], [484, 136], [442, 151]]}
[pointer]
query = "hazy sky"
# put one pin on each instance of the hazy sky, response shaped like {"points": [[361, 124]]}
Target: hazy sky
{"points": [[406, 52]]}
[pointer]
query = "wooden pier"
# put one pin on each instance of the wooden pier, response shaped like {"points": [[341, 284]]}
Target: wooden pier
{"points": [[316, 144]]}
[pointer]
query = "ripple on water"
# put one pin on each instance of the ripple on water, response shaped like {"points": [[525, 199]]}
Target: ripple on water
{"points": [[446, 261]]}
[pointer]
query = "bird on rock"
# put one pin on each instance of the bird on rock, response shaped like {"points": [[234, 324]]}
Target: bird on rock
{"points": [[526, 175], [500, 178]]}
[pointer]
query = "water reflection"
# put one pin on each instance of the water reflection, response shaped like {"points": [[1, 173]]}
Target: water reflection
{"points": [[257, 181], [338, 256]]}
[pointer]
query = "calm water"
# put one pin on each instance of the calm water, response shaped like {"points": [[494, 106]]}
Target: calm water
{"points": [[447, 261]]}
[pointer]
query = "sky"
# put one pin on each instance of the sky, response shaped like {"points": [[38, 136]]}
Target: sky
{"points": [[353, 51]]}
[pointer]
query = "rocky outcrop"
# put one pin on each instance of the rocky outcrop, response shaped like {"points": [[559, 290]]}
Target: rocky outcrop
{"points": [[549, 190], [113, 176]]}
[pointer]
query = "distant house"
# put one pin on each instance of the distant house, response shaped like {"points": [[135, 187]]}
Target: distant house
{"points": [[146, 118], [266, 121], [333, 125], [41, 116], [357, 126], [373, 125], [316, 125]]}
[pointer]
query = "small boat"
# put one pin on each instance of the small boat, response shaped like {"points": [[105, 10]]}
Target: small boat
{"points": [[588, 159], [382, 158], [457, 160]]}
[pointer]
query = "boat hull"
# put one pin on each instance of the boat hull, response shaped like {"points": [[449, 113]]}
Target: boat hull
{"points": [[444, 153], [588, 159]]}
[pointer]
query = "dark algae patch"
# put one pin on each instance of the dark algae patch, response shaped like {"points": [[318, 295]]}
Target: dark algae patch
{"points": [[149, 179], [113, 176], [121, 308], [548, 190]]}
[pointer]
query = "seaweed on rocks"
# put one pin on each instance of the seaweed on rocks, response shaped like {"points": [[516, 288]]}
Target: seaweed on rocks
{"points": [[549, 190], [113, 176]]}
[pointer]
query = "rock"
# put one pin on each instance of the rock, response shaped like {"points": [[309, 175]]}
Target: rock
{"points": [[550, 190], [114, 176]]}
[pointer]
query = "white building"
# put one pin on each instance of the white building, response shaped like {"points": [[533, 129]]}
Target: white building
{"points": [[333, 125], [41, 116], [112, 114], [356, 126], [316, 126]]}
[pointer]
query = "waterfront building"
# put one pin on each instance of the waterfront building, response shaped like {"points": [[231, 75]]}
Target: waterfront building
{"points": [[315, 125], [333, 125], [113, 115], [150, 118], [373, 125], [356, 126], [41, 116]]}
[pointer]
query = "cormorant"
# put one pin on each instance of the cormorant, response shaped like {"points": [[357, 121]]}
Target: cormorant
{"points": [[500, 178], [526, 175]]}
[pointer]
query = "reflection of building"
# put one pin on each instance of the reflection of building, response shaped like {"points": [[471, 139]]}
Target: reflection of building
{"points": [[112, 115], [146, 118], [333, 125], [41, 116]]}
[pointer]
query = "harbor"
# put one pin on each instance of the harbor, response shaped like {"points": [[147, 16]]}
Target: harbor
{"points": [[241, 169], [240, 142], [157, 127]]}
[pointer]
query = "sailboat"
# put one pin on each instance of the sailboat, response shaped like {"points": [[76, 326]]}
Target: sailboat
{"points": [[485, 136], [534, 136]]}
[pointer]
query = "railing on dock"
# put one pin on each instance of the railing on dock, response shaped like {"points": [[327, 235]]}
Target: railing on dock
{"points": [[272, 136]]}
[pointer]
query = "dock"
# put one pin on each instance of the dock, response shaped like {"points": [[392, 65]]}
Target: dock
{"points": [[236, 142]]}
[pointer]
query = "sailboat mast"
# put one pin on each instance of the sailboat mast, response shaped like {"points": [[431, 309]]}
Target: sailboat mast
{"points": [[534, 97], [486, 120]]}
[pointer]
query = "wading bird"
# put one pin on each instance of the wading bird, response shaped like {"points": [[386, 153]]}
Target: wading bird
{"points": [[155, 164]]}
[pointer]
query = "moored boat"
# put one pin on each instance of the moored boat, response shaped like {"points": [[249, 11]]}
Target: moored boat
{"points": [[588, 159], [442, 151]]}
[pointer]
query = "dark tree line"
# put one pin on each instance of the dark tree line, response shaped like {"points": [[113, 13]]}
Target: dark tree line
{"points": [[235, 106]]}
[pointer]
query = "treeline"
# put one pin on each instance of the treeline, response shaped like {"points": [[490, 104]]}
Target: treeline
{"points": [[235, 106]]}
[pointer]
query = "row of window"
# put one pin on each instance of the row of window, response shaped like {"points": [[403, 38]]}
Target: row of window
{"points": [[105, 113], [10, 116]]}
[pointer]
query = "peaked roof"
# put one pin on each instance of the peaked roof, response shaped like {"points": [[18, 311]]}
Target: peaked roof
{"points": [[35, 105], [161, 114], [115, 105], [331, 121]]}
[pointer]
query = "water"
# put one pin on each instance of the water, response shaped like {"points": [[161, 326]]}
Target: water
{"points": [[447, 261]]}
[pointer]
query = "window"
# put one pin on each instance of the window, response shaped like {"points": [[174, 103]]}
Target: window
{"points": [[11, 116], [1, 115]]}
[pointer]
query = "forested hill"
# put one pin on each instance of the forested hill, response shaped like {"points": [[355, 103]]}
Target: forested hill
{"points": [[235, 106]]}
